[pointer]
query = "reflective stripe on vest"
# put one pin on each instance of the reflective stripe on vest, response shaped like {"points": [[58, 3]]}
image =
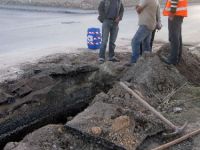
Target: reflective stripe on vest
{"points": [[181, 9]]}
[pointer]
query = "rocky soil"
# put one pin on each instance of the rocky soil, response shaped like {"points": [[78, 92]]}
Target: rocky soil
{"points": [[93, 110]]}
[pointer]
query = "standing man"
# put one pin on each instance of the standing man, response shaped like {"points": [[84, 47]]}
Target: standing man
{"points": [[158, 27], [110, 14], [147, 10], [176, 10]]}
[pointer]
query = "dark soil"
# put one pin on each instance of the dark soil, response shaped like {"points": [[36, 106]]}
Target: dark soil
{"points": [[109, 115]]}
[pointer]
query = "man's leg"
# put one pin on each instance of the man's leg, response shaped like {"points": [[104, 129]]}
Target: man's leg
{"points": [[181, 47], [105, 34], [147, 43], [113, 37], [175, 36], [142, 48], [152, 38], [139, 37]]}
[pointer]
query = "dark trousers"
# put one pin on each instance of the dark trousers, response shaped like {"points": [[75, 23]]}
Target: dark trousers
{"points": [[109, 29], [175, 38]]}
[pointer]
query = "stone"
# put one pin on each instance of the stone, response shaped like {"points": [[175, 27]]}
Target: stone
{"points": [[96, 131], [127, 96], [101, 97], [177, 109], [61, 130], [98, 120], [23, 91], [120, 123], [6, 98], [20, 88]]}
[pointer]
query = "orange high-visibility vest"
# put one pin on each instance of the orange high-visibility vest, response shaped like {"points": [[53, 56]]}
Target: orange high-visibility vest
{"points": [[181, 8]]}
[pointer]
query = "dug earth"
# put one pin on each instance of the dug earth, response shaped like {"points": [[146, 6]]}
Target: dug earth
{"points": [[69, 102]]}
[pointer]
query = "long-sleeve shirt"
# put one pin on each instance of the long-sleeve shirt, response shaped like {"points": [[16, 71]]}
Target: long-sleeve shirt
{"points": [[149, 14]]}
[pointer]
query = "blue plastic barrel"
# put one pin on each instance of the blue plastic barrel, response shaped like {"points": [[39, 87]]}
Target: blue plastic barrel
{"points": [[93, 38]]}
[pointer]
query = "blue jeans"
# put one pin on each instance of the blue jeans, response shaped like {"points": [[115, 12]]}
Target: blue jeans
{"points": [[142, 36], [109, 27]]}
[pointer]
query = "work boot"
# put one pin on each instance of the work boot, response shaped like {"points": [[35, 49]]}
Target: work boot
{"points": [[166, 60], [101, 60], [114, 59]]}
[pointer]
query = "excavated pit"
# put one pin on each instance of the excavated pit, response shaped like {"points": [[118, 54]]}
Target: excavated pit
{"points": [[105, 116], [49, 92]]}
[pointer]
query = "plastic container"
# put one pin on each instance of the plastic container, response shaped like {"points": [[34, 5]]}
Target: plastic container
{"points": [[93, 38]]}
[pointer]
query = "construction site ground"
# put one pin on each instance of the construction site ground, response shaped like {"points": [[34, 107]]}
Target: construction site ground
{"points": [[70, 102]]}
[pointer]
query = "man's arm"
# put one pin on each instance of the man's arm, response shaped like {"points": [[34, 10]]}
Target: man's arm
{"points": [[101, 10], [158, 18], [139, 9], [121, 12], [141, 6]]}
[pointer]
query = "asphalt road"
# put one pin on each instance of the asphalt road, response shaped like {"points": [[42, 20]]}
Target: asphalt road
{"points": [[29, 30]]}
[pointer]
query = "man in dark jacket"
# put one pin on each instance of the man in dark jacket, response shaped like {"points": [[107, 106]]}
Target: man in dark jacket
{"points": [[110, 14]]}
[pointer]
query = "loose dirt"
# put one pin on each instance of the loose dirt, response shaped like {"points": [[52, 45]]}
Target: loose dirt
{"points": [[111, 118]]}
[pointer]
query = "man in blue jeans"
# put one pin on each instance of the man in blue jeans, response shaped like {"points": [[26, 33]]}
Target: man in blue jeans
{"points": [[147, 10], [110, 14]]}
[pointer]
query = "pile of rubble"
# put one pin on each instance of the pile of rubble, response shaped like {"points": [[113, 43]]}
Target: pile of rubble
{"points": [[98, 112]]}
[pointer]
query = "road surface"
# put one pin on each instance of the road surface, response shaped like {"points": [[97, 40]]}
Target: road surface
{"points": [[28, 35], [24, 30]]}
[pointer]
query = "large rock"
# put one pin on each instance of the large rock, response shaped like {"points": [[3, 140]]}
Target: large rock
{"points": [[54, 137], [106, 120]]}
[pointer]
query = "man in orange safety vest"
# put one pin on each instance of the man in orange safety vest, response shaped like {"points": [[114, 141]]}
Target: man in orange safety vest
{"points": [[176, 10]]}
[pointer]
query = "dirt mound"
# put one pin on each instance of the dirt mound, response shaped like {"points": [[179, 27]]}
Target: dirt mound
{"points": [[154, 79], [189, 65], [113, 119]]}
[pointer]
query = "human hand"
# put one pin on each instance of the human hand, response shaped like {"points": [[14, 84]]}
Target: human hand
{"points": [[139, 9], [117, 20], [158, 25], [136, 7]]}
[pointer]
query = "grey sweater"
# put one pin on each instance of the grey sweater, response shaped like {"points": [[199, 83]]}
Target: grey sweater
{"points": [[104, 7]]}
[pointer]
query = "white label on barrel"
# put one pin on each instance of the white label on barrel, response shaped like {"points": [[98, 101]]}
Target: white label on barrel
{"points": [[90, 38]]}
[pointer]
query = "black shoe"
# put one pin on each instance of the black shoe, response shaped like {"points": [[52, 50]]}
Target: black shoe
{"points": [[114, 59], [165, 60], [101, 60], [128, 64]]}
